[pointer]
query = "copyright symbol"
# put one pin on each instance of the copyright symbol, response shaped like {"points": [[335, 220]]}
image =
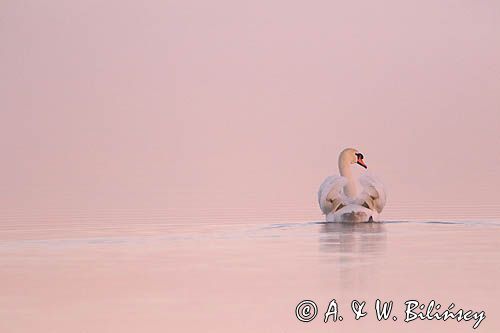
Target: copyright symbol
{"points": [[306, 311]]}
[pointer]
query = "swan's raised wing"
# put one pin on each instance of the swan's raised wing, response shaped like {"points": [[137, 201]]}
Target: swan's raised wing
{"points": [[373, 194], [330, 195]]}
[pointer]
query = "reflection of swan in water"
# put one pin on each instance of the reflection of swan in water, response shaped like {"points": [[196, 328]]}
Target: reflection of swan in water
{"points": [[338, 197], [353, 238], [356, 251]]}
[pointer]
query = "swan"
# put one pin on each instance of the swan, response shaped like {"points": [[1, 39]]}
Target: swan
{"points": [[338, 197]]}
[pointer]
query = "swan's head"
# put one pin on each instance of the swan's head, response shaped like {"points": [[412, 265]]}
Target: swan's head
{"points": [[352, 156]]}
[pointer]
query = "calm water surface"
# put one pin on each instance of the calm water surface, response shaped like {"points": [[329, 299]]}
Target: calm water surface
{"points": [[130, 275]]}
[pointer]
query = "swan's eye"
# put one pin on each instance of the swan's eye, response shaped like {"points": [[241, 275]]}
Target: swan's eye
{"points": [[360, 156]]}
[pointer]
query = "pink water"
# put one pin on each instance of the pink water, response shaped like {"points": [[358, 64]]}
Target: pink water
{"points": [[156, 275]]}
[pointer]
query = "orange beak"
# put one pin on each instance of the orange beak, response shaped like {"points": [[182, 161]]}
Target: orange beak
{"points": [[361, 162]]}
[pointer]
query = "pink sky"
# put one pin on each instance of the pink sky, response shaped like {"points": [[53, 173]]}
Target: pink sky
{"points": [[229, 104]]}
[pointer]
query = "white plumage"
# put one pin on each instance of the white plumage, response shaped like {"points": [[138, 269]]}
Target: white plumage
{"points": [[339, 199]]}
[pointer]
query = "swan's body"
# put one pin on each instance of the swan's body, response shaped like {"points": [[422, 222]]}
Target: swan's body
{"points": [[338, 196]]}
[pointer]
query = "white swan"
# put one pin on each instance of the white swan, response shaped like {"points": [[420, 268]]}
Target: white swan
{"points": [[338, 197]]}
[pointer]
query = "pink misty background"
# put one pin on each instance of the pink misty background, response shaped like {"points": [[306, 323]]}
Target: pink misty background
{"points": [[194, 108]]}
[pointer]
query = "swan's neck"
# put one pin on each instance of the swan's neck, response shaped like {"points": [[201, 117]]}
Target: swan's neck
{"points": [[345, 171]]}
